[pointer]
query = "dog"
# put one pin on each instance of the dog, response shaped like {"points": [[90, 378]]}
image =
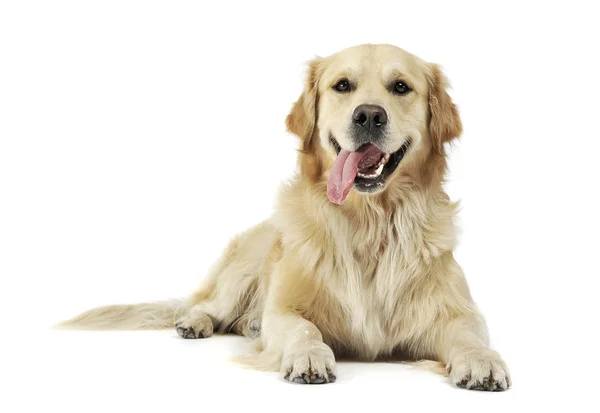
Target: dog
{"points": [[357, 259]]}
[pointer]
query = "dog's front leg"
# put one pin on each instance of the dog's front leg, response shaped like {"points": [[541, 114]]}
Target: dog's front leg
{"points": [[459, 332], [470, 362], [305, 358]]}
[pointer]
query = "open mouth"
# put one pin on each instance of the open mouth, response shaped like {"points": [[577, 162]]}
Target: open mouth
{"points": [[365, 169]]}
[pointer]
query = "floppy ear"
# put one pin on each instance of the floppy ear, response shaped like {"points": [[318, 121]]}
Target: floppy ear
{"points": [[302, 121], [444, 121]]}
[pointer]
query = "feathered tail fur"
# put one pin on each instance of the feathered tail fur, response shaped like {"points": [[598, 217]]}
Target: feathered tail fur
{"points": [[145, 316]]}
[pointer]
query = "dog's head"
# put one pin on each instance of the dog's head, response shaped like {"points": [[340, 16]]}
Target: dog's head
{"points": [[369, 115]]}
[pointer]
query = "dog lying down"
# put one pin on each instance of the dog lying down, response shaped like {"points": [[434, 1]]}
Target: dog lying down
{"points": [[356, 260]]}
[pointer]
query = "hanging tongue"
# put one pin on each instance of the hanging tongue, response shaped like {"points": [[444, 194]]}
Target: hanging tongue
{"points": [[346, 167]]}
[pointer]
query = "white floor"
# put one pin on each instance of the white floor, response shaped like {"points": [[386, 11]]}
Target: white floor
{"points": [[156, 371]]}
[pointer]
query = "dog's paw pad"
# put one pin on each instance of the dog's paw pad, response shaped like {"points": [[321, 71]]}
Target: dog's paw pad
{"points": [[314, 378], [189, 333], [194, 325], [254, 329], [311, 364], [480, 370]]}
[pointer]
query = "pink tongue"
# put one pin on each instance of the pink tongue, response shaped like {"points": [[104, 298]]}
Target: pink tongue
{"points": [[345, 168]]}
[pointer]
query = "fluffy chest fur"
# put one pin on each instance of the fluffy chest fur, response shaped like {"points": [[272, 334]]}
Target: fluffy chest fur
{"points": [[367, 273]]}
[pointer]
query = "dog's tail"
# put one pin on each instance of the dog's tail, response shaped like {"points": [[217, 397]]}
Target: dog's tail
{"points": [[436, 367], [145, 316]]}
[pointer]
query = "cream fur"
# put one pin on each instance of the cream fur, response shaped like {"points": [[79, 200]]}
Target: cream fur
{"points": [[373, 278]]}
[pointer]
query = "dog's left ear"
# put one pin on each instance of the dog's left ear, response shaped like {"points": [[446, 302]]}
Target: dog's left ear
{"points": [[302, 119], [444, 121]]}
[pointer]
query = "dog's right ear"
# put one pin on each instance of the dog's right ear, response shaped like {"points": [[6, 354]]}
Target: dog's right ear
{"points": [[302, 119]]}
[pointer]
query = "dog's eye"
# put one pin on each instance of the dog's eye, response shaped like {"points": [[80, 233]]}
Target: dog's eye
{"points": [[400, 88], [342, 86]]}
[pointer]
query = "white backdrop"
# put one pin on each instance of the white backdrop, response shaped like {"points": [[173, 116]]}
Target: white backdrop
{"points": [[131, 132]]}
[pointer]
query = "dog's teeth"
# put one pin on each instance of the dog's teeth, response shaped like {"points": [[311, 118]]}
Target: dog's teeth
{"points": [[384, 159], [374, 174]]}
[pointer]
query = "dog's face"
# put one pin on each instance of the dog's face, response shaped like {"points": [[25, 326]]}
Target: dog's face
{"points": [[368, 112]]}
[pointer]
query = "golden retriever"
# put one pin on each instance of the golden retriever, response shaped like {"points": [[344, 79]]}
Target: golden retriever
{"points": [[356, 260]]}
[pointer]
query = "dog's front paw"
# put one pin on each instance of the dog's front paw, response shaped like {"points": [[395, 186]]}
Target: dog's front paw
{"points": [[479, 370], [309, 363]]}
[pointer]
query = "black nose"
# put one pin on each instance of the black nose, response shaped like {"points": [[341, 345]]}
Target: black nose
{"points": [[369, 116]]}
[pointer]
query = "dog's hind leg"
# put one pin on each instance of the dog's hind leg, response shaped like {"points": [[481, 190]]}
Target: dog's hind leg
{"points": [[195, 323], [225, 308], [229, 300]]}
